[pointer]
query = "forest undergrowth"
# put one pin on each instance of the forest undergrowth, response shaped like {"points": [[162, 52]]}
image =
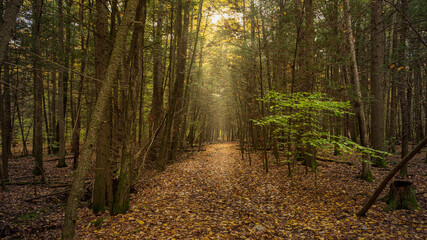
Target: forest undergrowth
{"points": [[214, 194]]}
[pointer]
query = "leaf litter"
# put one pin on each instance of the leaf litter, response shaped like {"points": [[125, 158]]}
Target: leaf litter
{"points": [[214, 194]]}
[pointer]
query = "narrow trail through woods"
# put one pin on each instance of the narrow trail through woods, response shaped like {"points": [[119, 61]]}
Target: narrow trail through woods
{"points": [[214, 194]]}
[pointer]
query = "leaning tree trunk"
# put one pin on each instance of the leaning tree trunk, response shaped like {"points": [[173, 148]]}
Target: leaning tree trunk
{"points": [[71, 209]]}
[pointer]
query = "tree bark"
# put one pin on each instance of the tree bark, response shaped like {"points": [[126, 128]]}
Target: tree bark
{"points": [[178, 92], [156, 113], [71, 209], [103, 152], [7, 24], [38, 88], [403, 86], [359, 106], [377, 76], [61, 94], [6, 124]]}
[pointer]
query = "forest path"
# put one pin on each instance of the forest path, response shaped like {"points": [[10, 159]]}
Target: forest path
{"points": [[210, 194], [214, 194]]}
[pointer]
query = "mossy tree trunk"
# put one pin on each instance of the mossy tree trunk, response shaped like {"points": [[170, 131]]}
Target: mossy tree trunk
{"points": [[130, 100], [389, 176], [402, 196], [71, 210], [103, 152]]}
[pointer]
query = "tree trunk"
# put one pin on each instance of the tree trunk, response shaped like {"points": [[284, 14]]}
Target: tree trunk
{"points": [[61, 94], [403, 87], [38, 89], [402, 196], [418, 95], [377, 91], [6, 124], [103, 151], [178, 94], [359, 106], [77, 126], [121, 202], [156, 113], [77, 188], [7, 25]]}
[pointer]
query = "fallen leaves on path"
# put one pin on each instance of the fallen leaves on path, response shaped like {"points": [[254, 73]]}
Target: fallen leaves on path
{"points": [[216, 195]]}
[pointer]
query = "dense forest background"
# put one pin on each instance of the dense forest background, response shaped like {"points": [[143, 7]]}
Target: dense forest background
{"points": [[134, 83]]}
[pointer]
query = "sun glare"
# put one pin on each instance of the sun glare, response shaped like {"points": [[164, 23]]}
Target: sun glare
{"points": [[215, 18]]}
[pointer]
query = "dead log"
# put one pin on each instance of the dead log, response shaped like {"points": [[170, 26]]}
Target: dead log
{"points": [[402, 196], [192, 150], [56, 159], [332, 160], [390, 175], [47, 195]]}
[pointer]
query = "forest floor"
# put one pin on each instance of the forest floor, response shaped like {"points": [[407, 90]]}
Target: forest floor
{"points": [[214, 194]]}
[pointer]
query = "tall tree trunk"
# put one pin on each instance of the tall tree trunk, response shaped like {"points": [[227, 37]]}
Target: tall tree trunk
{"points": [[6, 123], [121, 202], [141, 63], [2, 178], [61, 94], [38, 88], [305, 83], [103, 152], [391, 131], [377, 62], [7, 24], [418, 102], [178, 94], [53, 112], [71, 209], [403, 86], [77, 126], [418, 92], [156, 113], [359, 106]]}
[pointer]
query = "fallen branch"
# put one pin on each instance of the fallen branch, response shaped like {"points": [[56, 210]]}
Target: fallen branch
{"points": [[332, 160], [391, 174], [24, 183], [47, 195], [56, 159], [59, 185], [192, 150]]}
